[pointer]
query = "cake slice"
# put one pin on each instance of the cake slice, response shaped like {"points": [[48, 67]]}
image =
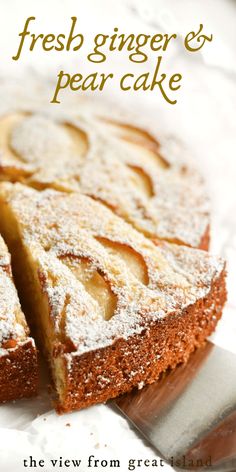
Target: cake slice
{"points": [[113, 310], [18, 356], [120, 164]]}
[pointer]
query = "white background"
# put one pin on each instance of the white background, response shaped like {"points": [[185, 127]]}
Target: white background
{"points": [[203, 119]]}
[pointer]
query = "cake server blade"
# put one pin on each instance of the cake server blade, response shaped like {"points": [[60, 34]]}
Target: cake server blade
{"points": [[189, 415]]}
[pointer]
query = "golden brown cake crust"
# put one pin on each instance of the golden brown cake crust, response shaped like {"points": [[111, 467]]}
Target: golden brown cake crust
{"points": [[19, 372], [106, 373]]}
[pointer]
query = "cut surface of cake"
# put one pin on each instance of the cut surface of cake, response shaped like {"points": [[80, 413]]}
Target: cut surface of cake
{"points": [[18, 356], [113, 309], [123, 166]]}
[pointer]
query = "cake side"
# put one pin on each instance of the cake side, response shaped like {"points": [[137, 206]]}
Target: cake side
{"points": [[18, 355], [18, 371], [105, 373]]}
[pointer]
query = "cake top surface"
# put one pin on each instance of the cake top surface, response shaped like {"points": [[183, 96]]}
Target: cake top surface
{"points": [[81, 148], [13, 327], [102, 279]]}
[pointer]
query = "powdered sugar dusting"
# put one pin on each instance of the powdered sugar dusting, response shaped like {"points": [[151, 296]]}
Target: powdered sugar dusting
{"points": [[162, 197], [37, 138], [58, 228]]}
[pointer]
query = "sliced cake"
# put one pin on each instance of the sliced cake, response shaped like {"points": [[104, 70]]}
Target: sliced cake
{"points": [[113, 310], [18, 356]]}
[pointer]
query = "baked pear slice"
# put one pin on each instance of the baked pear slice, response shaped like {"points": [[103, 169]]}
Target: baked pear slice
{"points": [[150, 184]]}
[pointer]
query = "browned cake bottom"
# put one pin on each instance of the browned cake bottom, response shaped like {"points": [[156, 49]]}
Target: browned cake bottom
{"points": [[19, 373], [106, 373]]}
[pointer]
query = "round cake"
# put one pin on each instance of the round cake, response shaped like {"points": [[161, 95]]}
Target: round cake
{"points": [[106, 225]]}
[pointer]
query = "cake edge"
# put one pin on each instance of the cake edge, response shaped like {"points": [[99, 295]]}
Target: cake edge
{"points": [[19, 375], [103, 374]]}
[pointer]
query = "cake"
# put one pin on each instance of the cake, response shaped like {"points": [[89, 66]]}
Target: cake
{"points": [[119, 164], [107, 224], [18, 356], [113, 309]]}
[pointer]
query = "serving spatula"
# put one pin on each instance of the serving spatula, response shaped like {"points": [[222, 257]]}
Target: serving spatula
{"points": [[189, 415]]}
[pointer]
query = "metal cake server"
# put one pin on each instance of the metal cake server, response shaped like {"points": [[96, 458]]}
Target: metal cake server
{"points": [[189, 415]]}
